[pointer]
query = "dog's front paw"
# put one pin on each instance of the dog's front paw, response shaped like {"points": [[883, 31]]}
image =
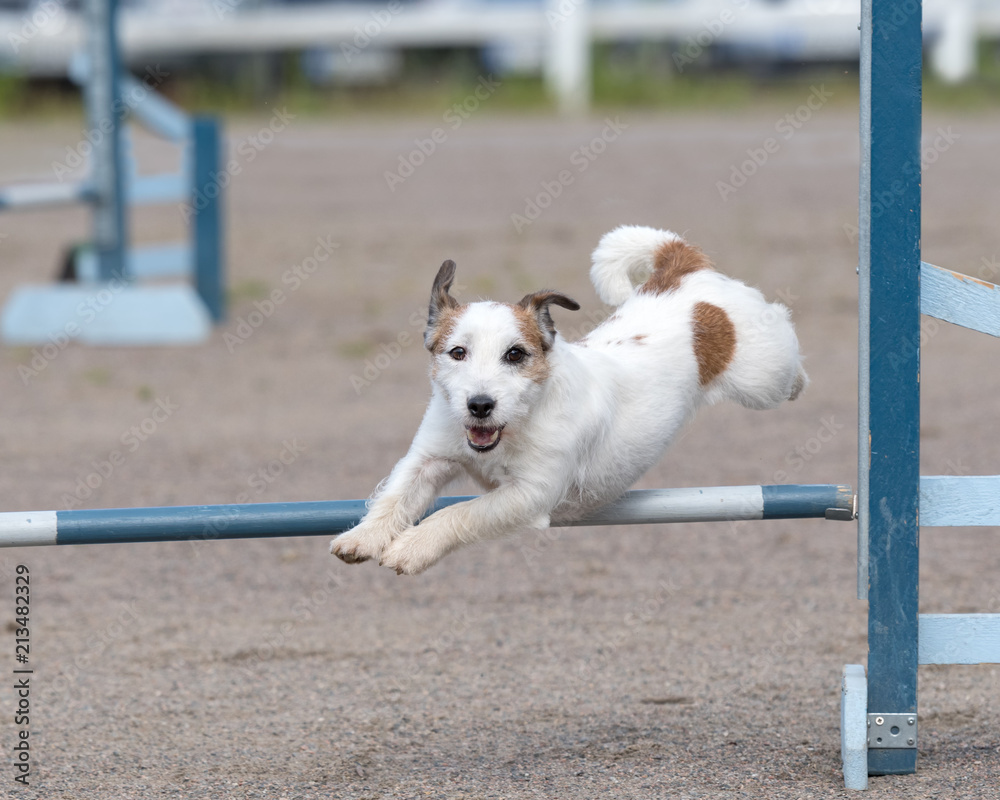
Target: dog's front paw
{"points": [[412, 553], [362, 543]]}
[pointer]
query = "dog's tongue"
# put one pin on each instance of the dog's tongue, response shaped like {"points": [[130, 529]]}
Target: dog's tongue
{"points": [[482, 437]]}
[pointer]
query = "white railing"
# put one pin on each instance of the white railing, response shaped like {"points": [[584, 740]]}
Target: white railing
{"points": [[43, 43]]}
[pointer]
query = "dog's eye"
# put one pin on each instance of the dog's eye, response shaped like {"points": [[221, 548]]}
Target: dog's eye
{"points": [[457, 353], [514, 355]]}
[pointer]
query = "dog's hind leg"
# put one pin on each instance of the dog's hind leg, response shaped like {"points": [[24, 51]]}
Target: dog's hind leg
{"points": [[748, 353], [396, 506]]}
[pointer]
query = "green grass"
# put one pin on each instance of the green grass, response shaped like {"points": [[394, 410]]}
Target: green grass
{"points": [[97, 376], [247, 290]]}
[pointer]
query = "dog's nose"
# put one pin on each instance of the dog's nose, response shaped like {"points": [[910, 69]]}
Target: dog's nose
{"points": [[481, 406]]}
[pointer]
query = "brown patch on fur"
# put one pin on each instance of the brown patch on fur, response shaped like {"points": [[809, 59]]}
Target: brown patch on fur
{"points": [[444, 324], [443, 309], [536, 342], [437, 335], [672, 262], [714, 341], [538, 304], [639, 338]]}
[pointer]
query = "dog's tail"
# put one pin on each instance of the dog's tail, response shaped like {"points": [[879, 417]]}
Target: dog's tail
{"points": [[629, 256]]}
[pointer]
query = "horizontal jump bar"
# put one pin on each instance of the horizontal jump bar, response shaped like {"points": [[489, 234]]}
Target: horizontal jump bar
{"points": [[328, 518], [45, 195]]}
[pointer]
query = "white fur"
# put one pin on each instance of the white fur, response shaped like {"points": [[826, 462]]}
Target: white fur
{"points": [[577, 440], [623, 261]]}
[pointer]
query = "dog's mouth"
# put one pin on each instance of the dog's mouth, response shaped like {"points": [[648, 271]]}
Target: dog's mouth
{"points": [[481, 439]]}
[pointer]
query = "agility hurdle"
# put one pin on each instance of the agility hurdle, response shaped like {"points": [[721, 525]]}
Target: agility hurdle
{"points": [[99, 299], [879, 723], [329, 518], [879, 728]]}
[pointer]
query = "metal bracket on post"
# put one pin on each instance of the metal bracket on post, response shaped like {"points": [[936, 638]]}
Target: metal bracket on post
{"points": [[892, 731], [844, 514]]}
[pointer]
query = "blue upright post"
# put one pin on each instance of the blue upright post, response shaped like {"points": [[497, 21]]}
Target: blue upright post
{"points": [[104, 119], [889, 268], [206, 221]]}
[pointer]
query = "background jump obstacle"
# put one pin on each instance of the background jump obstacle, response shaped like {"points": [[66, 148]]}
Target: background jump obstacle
{"points": [[879, 730], [101, 300], [329, 518]]}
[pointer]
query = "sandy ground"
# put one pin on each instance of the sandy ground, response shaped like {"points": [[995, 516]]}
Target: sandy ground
{"points": [[693, 661]]}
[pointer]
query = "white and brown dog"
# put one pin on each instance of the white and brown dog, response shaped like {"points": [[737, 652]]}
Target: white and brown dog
{"points": [[553, 430]]}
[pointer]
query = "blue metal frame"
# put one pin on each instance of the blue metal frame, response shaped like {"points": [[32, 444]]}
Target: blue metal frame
{"points": [[889, 446], [142, 314], [206, 222], [102, 93]]}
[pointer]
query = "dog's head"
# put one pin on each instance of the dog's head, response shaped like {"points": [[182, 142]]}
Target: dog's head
{"points": [[490, 359]]}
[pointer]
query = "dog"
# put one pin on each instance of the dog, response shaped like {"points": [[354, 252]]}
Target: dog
{"points": [[553, 430]]}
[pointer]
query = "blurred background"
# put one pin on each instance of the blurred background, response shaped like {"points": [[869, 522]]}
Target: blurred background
{"points": [[230, 54], [307, 166]]}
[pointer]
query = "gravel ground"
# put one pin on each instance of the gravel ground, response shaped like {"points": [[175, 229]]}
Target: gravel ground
{"points": [[692, 661]]}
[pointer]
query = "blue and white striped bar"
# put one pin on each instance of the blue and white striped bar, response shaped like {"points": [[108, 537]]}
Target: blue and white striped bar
{"points": [[328, 518], [45, 195]]}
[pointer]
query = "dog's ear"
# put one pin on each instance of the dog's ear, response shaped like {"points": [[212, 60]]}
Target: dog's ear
{"points": [[538, 304], [440, 299]]}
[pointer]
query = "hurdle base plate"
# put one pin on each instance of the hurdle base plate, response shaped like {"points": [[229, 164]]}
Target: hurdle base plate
{"points": [[854, 727], [111, 315]]}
